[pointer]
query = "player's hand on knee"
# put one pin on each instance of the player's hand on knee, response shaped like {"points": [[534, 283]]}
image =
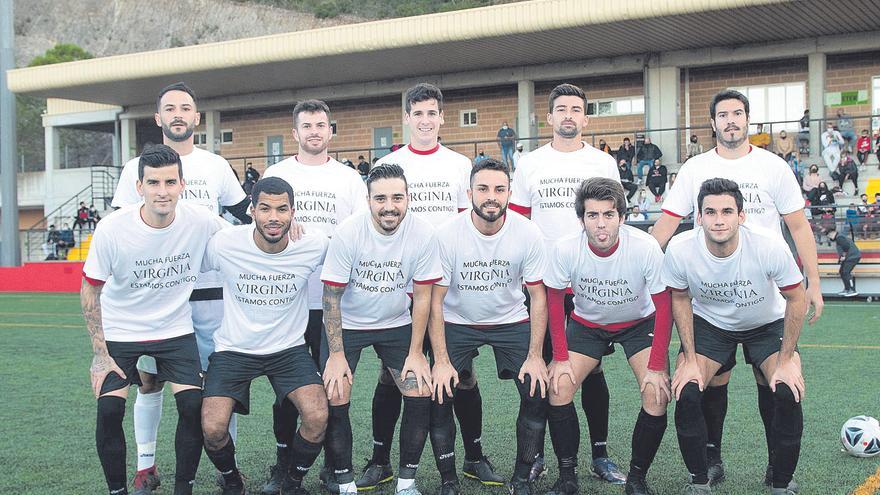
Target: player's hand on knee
{"points": [[687, 371], [789, 373], [535, 368], [103, 365], [659, 381], [445, 379], [814, 299], [558, 369], [336, 371], [418, 365]]}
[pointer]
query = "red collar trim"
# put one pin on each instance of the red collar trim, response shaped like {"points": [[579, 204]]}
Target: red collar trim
{"points": [[605, 254], [423, 152]]}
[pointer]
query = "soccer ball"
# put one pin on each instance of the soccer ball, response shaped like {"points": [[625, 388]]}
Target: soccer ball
{"points": [[860, 436]]}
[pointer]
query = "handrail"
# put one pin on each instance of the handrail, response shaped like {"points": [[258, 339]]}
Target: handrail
{"points": [[73, 198]]}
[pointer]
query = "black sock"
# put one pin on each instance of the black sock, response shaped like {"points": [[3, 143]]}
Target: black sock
{"points": [[224, 460], [647, 435], [188, 441], [413, 434], [302, 455], [110, 442], [691, 429], [338, 443], [765, 407], [788, 426], [565, 434], [714, 412], [284, 418], [442, 429], [469, 411], [595, 400], [386, 410], [530, 426]]}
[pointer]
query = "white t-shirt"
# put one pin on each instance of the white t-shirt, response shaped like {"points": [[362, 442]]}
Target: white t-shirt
{"points": [[437, 180], [324, 196], [739, 292], [769, 188], [209, 181], [546, 181], [377, 269], [610, 289], [265, 296], [149, 273], [485, 274]]}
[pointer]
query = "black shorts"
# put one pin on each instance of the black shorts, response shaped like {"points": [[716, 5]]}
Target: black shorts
{"points": [[391, 345], [594, 342], [568, 306], [510, 343], [177, 361], [314, 333], [727, 366], [230, 374], [719, 345]]}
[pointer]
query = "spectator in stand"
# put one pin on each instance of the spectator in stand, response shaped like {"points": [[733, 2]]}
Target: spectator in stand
{"points": [[363, 167], [849, 257], [50, 248], [636, 215], [846, 128], [626, 180], [480, 157], [694, 147], [251, 174], [811, 182], [804, 133], [65, 241], [832, 142], [672, 178], [643, 201], [870, 222], [603, 146], [519, 153], [648, 154], [82, 215], [848, 170], [852, 218], [626, 153], [506, 140], [760, 138], [785, 146], [877, 199], [863, 147], [657, 180], [94, 216]]}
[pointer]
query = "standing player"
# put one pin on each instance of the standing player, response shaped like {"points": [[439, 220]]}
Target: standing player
{"points": [[614, 271], [212, 184], [770, 192], [372, 260], [731, 285], [437, 178], [545, 183], [265, 283], [487, 255], [137, 280], [327, 192]]}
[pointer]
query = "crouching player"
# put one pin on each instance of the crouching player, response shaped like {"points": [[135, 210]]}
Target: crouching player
{"points": [[614, 272], [265, 312], [732, 284]]}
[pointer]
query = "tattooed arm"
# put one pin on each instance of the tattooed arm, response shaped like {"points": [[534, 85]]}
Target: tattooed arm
{"points": [[336, 370], [102, 363]]}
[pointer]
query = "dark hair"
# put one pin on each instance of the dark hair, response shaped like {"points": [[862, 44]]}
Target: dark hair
{"points": [[490, 164], [600, 189], [178, 86], [423, 92], [567, 90], [310, 106], [727, 94], [386, 171], [274, 186], [719, 186], [158, 156]]}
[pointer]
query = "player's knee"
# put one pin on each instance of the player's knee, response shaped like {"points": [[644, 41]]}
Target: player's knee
{"points": [[691, 396], [111, 410], [314, 420], [215, 434], [784, 395], [653, 405], [189, 404], [564, 392]]}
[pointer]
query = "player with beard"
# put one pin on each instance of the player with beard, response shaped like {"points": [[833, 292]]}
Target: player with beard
{"points": [[770, 193], [212, 184], [614, 271], [438, 180], [544, 187], [137, 280], [372, 260], [487, 254], [327, 192], [265, 281], [735, 284]]}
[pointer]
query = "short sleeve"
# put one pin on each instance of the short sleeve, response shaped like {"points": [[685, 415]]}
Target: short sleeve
{"points": [[126, 188], [358, 195], [99, 261], [428, 268], [653, 268], [787, 196], [210, 261], [446, 261], [782, 268], [463, 201], [519, 194], [673, 274], [679, 200], [339, 259], [558, 272], [231, 192], [535, 265]]}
